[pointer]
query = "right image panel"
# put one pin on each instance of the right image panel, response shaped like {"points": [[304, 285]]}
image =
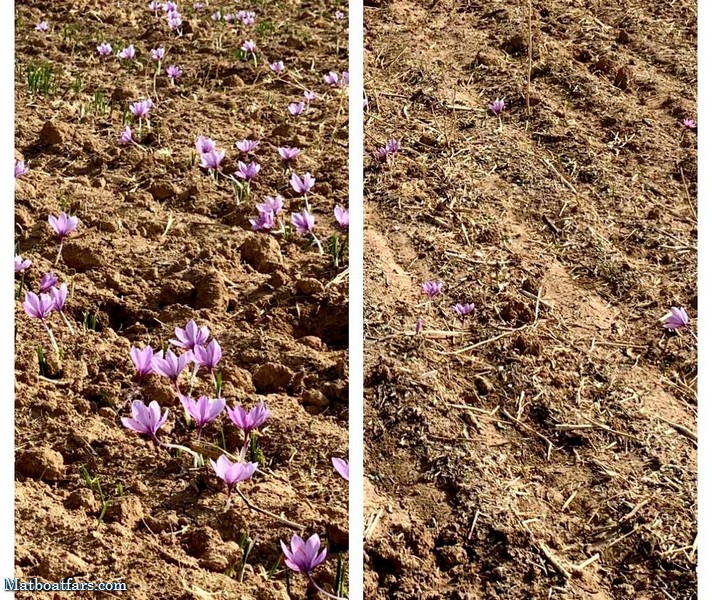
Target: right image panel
{"points": [[531, 300]]}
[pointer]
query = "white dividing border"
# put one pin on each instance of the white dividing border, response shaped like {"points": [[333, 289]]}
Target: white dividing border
{"points": [[7, 307], [356, 520], [704, 294]]}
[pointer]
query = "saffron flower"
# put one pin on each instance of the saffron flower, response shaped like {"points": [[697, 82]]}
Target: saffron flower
{"points": [[676, 318], [342, 216], [302, 185], [247, 17], [22, 264], [204, 145], [197, 6], [248, 421], [341, 466], [171, 366], [169, 6], [212, 159], [204, 410], [141, 108], [154, 6], [42, 26], [332, 78], [157, 54], [174, 72], [345, 79], [247, 146], [263, 222], [247, 171], [393, 146], [303, 222], [63, 225], [339, 16], [309, 95], [59, 297], [689, 123], [145, 420], [126, 136], [190, 336], [271, 204], [288, 154], [104, 49], [174, 20], [277, 66], [496, 107], [249, 46], [216, 16], [48, 281], [296, 108], [207, 356], [20, 169], [143, 361], [464, 309], [303, 556], [419, 326], [38, 306], [233, 473], [432, 288], [128, 53]]}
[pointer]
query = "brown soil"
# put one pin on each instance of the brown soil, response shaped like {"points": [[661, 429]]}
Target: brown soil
{"points": [[160, 243], [544, 447]]}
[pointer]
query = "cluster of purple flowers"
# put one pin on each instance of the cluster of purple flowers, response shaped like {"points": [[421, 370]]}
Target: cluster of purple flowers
{"points": [[210, 156], [388, 152], [20, 168], [268, 213], [335, 80]]}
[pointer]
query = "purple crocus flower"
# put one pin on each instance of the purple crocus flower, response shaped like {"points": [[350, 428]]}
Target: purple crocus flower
{"points": [[309, 95], [248, 421], [38, 306], [174, 20], [141, 108], [204, 145], [288, 154], [341, 466], [128, 53], [247, 17], [20, 169], [143, 361], [171, 366], [263, 222], [170, 6], [303, 222], [302, 185], [344, 79], [496, 107], [154, 6], [432, 288], [277, 66], [207, 356], [689, 123], [42, 26], [419, 326], [212, 159], [197, 6], [247, 146], [339, 16], [342, 216], [59, 297], [249, 46], [332, 78], [296, 108], [303, 556], [158, 53], [272, 205], [216, 16], [22, 264], [174, 72], [204, 410], [126, 136], [233, 473], [48, 281], [145, 420], [63, 224], [676, 318], [464, 309], [247, 171], [393, 146], [104, 49], [190, 336]]}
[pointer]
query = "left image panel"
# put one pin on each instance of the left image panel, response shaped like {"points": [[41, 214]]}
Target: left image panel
{"points": [[181, 287]]}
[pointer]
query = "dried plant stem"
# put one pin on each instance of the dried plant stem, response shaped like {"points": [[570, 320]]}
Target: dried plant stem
{"points": [[287, 522], [322, 590], [529, 61]]}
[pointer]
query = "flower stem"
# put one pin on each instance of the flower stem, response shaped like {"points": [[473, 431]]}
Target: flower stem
{"points": [[67, 323], [59, 252], [322, 590], [51, 337]]}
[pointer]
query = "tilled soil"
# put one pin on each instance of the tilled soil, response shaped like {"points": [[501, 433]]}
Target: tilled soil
{"points": [[160, 242], [543, 446]]}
